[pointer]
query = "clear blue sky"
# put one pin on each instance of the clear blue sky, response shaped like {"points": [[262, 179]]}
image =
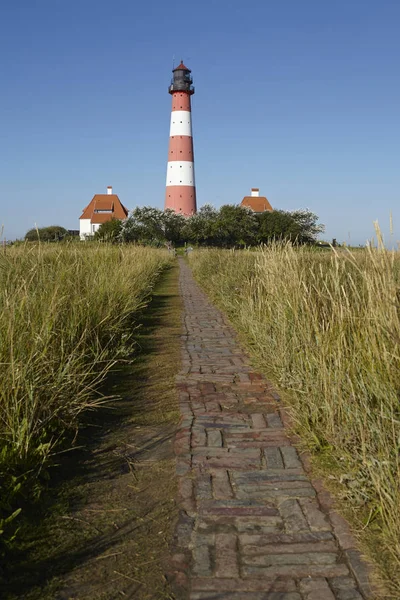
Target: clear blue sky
{"points": [[300, 99]]}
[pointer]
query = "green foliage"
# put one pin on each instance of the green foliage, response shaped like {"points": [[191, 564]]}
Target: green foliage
{"points": [[236, 226], [201, 228], [109, 231], [54, 233], [308, 225], [299, 227], [154, 227], [173, 227], [278, 225], [228, 227]]}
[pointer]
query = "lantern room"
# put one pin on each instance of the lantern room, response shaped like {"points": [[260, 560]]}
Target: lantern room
{"points": [[181, 80]]}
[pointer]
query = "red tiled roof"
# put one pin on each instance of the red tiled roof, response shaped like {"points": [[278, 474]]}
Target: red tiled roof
{"points": [[101, 217], [257, 203], [181, 67], [104, 202]]}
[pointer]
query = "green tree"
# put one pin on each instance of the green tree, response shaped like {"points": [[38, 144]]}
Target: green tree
{"points": [[109, 231], [300, 226], [236, 226], [144, 225], [230, 226], [201, 228], [277, 225], [173, 226], [53, 233], [308, 224]]}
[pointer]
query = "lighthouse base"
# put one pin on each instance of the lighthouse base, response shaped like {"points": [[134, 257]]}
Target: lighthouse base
{"points": [[181, 199]]}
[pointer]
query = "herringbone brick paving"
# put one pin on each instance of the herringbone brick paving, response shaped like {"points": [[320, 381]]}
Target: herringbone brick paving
{"points": [[252, 525]]}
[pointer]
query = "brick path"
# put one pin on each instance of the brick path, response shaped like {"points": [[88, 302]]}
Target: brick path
{"points": [[252, 524]]}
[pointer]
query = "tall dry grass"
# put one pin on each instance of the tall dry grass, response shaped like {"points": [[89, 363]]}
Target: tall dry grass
{"points": [[326, 326], [66, 314]]}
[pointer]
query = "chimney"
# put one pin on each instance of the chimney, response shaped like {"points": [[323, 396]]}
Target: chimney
{"points": [[109, 190], [255, 192]]}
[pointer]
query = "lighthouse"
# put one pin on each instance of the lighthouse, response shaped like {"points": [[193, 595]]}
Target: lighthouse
{"points": [[180, 193]]}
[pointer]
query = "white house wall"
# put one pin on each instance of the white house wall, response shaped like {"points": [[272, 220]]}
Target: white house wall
{"points": [[84, 228]]}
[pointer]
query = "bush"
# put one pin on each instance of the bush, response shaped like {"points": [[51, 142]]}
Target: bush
{"points": [[228, 227], [54, 233], [109, 231]]}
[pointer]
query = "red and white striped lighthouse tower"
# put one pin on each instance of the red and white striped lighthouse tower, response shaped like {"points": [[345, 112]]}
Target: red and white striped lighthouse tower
{"points": [[181, 191]]}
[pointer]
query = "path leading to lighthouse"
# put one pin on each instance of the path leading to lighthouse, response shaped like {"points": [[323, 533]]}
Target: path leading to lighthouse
{"points": [[252, 524]]}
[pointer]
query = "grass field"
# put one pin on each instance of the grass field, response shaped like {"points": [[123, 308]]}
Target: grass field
{"points": [[103, 527], [67, 314], [325, 327]]}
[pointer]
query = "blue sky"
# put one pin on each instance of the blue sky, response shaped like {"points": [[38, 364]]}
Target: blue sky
{"points": [[300, 99]]}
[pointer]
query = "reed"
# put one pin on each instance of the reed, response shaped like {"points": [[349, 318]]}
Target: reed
{"points": [[326, 327], [67, 313]]}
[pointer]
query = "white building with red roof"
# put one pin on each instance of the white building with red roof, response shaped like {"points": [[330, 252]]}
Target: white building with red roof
{"points": [[102, 208]]}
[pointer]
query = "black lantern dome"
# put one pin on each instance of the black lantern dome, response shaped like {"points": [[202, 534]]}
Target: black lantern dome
{"points": [[181, 80]]}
